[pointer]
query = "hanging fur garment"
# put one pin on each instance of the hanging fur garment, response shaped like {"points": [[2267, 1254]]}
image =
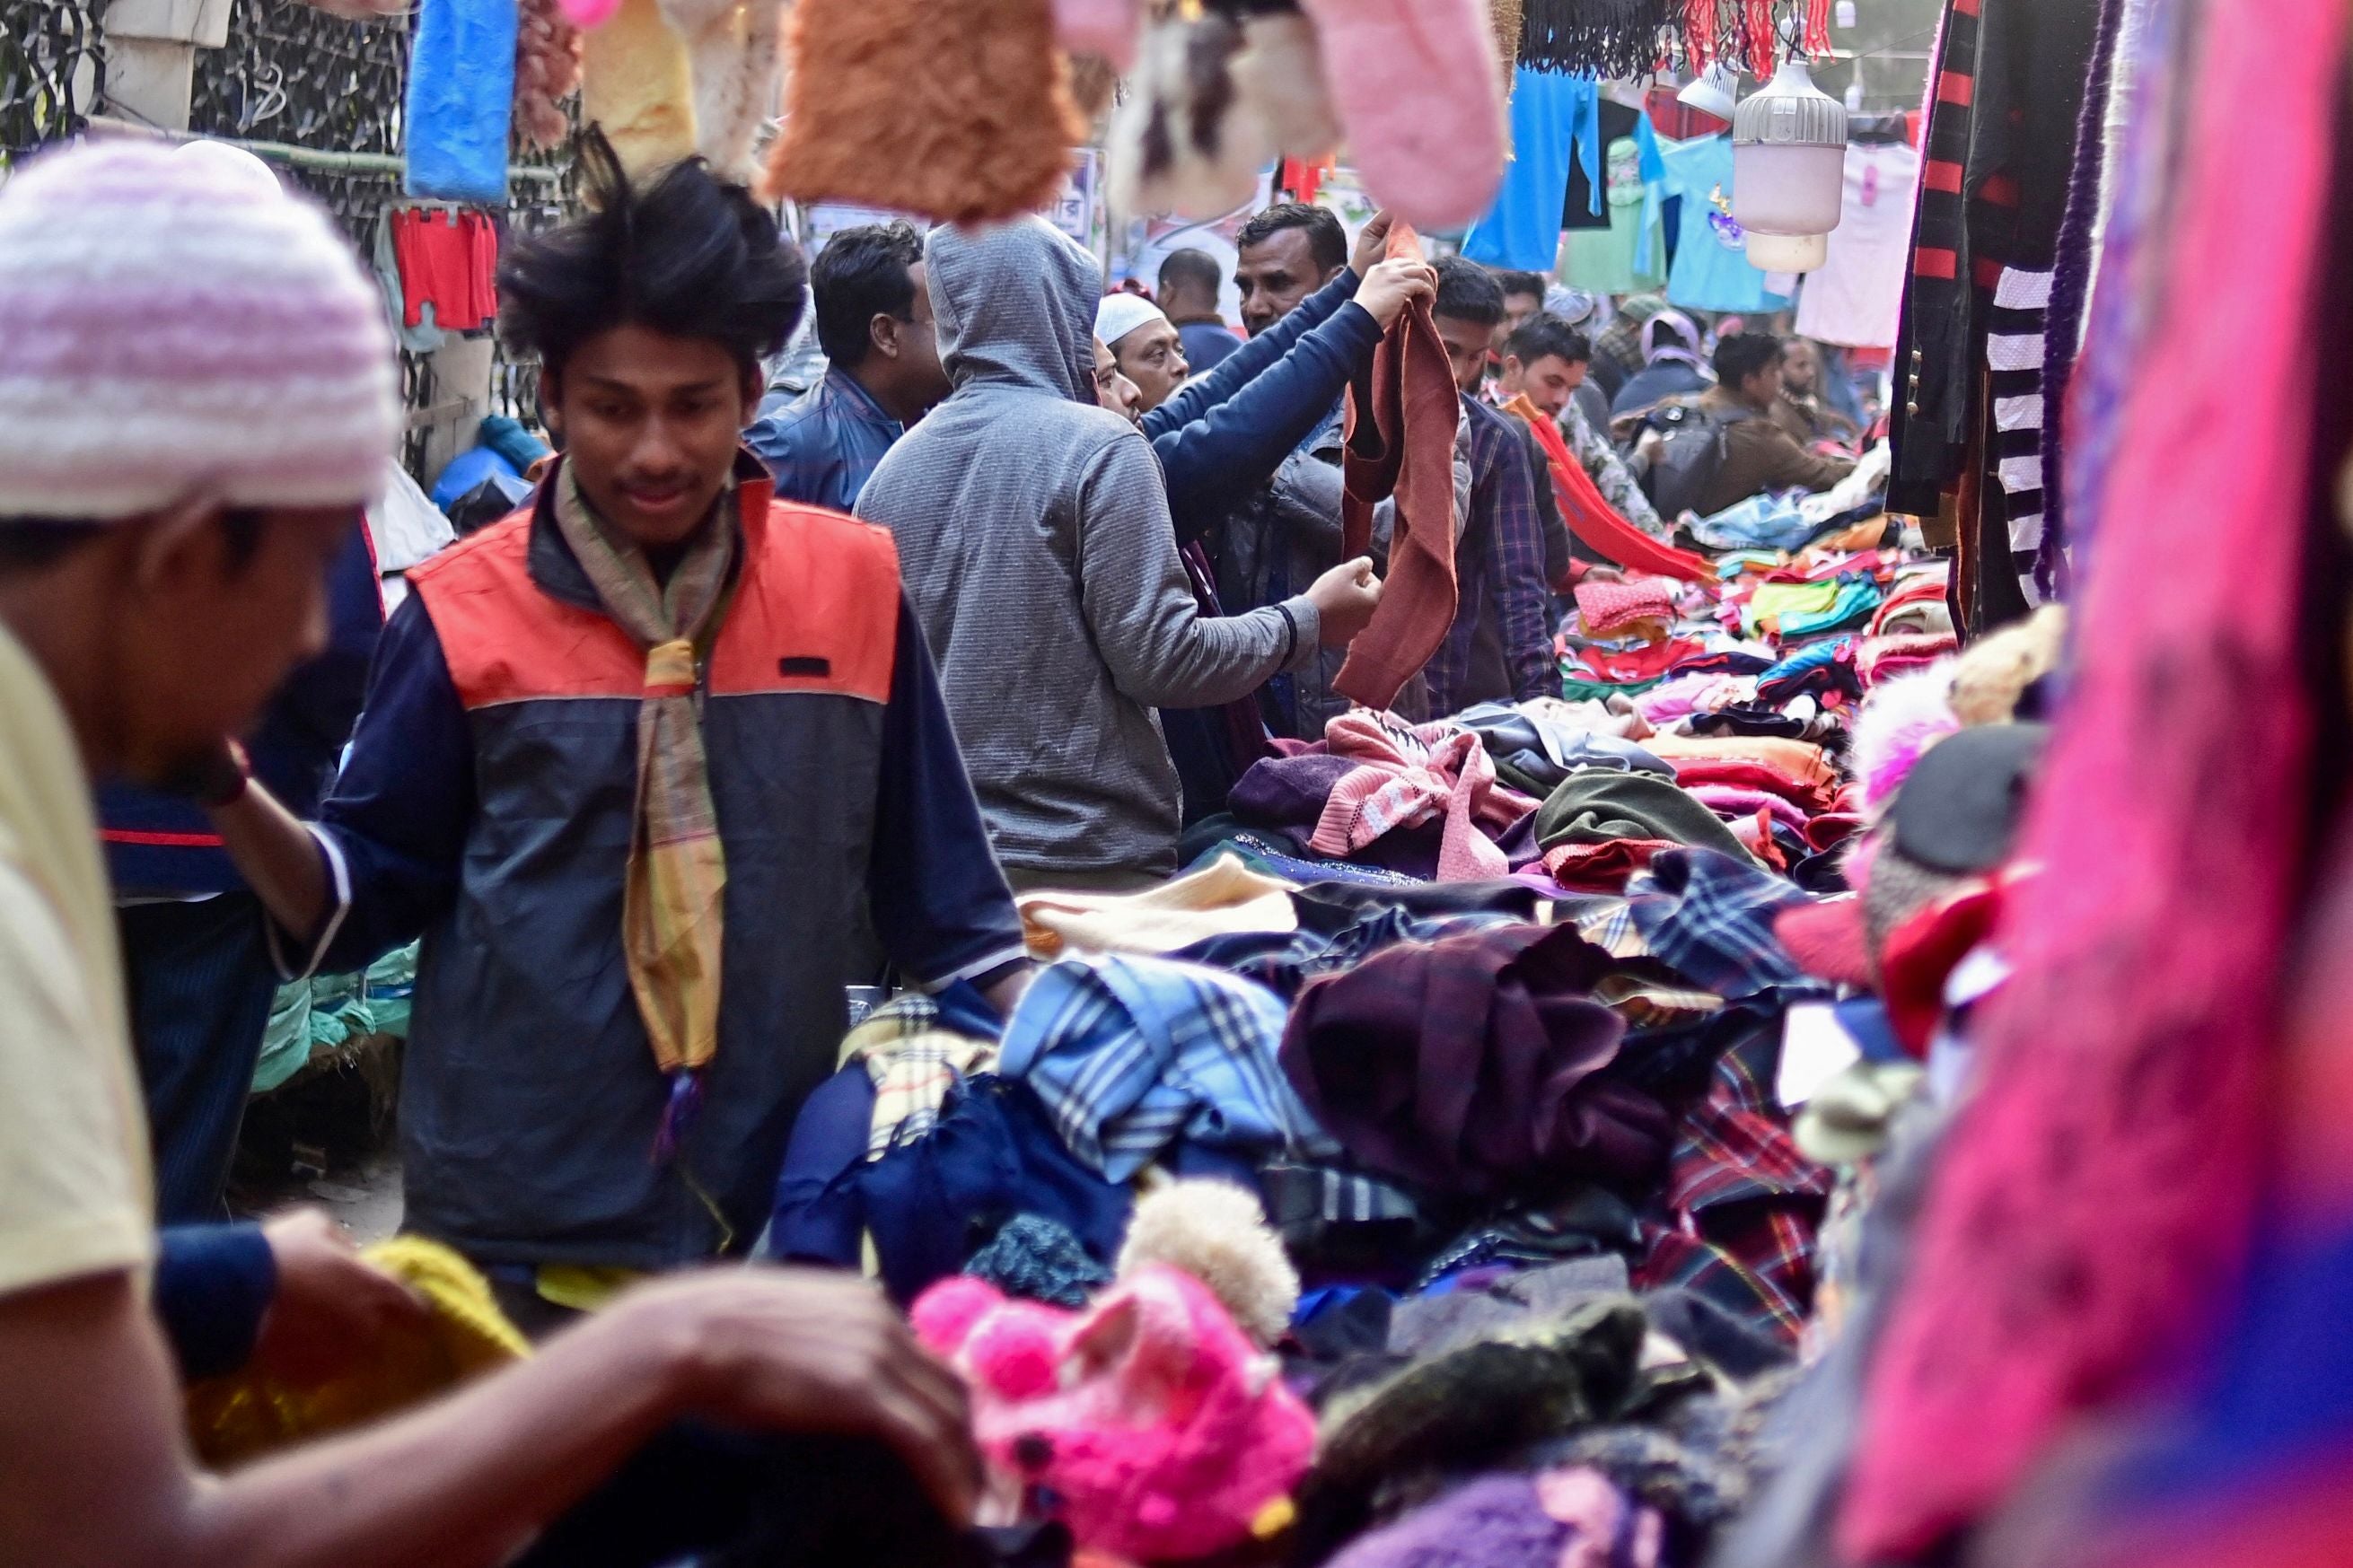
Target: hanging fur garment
{"points": [[547, 72], [1280, 75], [1597, 37], [734, 50], [958, 110], [1184, 141], [1417, 88], [635, 83], [1105, 28]]}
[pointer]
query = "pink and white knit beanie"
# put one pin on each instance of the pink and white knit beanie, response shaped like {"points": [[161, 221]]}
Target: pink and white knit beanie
{"points": [[171, 327]]}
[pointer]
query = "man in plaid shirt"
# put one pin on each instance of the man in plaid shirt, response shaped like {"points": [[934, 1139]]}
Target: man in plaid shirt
{"points": [[1502, 644]]}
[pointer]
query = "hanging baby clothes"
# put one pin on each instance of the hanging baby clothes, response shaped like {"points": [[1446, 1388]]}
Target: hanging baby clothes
{"points": [[1629, 256], [1584, 205], [1555, 122], [1854, 299], [1711, 270], [449, 261]]}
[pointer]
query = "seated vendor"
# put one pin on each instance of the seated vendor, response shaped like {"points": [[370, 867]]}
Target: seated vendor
{"points": [[639, 764], [1758, 454]]}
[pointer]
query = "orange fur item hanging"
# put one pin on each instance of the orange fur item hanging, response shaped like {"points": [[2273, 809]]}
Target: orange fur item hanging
{"points": [[959, 109]]}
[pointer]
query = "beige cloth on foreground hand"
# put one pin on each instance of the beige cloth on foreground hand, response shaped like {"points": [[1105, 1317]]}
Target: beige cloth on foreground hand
{"points": [[1219, 899]]}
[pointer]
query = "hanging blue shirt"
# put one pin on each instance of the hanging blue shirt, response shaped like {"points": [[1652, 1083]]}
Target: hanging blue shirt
{"points": [[1553, 116], [1712, 270]]}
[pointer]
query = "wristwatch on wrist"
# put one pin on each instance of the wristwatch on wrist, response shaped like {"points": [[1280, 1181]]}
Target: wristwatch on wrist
{"points": [[221, 779]]}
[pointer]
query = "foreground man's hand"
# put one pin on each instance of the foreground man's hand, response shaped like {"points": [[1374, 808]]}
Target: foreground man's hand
{"points": [[1345, 599], [1390, 287], [330, 1306], [787, 1350]]}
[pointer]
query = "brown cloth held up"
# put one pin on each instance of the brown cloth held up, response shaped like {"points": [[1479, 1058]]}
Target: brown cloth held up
{"points": [[959, 109], [1401, 443]]}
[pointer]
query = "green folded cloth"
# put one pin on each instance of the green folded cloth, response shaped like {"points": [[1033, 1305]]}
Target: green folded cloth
{"points": [[1596, 805]]}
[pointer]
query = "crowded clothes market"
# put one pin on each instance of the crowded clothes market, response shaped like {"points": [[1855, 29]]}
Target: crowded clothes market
{"points": [[1401, 783]]}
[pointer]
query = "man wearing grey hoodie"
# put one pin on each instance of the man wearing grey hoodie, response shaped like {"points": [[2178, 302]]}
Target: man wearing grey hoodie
{"points": [[1035, 546]]}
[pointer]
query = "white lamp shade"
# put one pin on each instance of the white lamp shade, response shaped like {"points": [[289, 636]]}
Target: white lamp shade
{"points": [[1788, 252], [1789, 155], [1712, 91], [1777, 188]]}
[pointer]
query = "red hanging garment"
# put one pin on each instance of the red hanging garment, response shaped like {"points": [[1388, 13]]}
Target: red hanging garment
{"points": [[1402, 445]]}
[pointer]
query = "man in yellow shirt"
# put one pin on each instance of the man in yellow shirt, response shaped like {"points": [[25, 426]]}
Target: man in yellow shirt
{"points": [[197, 396]]}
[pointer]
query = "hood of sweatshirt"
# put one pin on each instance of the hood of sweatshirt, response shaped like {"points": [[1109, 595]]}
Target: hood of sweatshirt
{"points": [[1016, 307]]}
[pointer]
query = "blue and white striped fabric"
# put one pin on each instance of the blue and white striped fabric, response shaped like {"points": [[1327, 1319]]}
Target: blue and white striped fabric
{"points": [[1131, 1055]]}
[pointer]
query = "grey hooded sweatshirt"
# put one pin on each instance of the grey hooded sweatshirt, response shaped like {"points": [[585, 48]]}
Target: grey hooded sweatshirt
{"points": [[1035, 543]]}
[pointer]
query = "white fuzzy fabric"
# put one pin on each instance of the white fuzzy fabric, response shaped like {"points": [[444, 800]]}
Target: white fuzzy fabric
{"points": [[1216, 1233], [1190, 184]]}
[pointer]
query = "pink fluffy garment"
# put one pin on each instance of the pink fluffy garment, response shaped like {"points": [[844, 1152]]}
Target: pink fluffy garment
{"points": [[1419, 93], [1899, 722], [1160, 1429]]}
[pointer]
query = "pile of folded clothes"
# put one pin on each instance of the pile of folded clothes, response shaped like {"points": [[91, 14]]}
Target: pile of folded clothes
{"points": [[1486, 1137], [1438, 1169]]}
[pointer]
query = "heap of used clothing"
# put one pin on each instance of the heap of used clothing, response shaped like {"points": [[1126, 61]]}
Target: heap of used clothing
{"points": [[1493, 1173], [1419, 1169]]}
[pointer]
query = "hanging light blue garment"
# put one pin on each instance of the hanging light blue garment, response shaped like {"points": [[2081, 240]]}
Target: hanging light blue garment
{"points": [[460, 93], [1554, 117]]}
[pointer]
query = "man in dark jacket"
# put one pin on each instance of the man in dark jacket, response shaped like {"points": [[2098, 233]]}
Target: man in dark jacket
{"points": [[1280, 525], [882, 369], [1759, 454], [193, 950], [1220, 435]]}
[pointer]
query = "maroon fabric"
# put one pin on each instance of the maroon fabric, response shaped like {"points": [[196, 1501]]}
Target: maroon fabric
{"points": [[1402, 445], [1469, 1065]]}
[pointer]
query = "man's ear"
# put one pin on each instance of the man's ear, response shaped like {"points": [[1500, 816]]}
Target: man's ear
{"points": [[751, 386], [882, 335]]}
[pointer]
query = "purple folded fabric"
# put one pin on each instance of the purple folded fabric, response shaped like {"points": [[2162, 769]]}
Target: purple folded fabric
{"points": [[1287, 791], [1469, 1064]]}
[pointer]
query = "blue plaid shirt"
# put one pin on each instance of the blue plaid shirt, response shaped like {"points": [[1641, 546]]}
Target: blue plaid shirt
{"points": [[1498, 571], [1130, 1055], [825, 445], [1710, 918]]}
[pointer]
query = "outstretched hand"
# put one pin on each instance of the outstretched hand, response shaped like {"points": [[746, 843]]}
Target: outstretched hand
{"points": [[797, 1350]]}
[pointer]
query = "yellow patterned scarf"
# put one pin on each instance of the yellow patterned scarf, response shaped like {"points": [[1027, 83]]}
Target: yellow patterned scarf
{"points": [[673, 905]]}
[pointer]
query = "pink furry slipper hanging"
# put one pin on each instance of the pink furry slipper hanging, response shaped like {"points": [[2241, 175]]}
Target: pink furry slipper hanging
{"points": [[1417, 88]]}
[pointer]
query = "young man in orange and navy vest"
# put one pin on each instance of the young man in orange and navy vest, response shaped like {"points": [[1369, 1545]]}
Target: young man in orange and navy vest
{"points": [[640, 763]]}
